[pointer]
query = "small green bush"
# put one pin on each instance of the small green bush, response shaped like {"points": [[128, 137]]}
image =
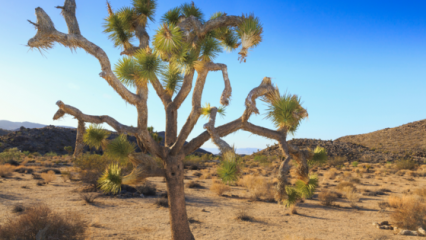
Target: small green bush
{"points": [[319, 157], [229, 168], [306, 190], [11, 154], [69, 149], [51, 154], [355, 163]]}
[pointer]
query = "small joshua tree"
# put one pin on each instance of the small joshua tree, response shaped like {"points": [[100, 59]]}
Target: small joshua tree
{"points": [[183, 44]]}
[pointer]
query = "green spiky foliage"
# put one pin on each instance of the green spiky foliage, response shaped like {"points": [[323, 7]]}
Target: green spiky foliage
{"points": [[205, 111], [293, 196], [119, 148], [149, 65], [229, 168], [126, 71], [226, 35], [154, 135], [110, 181], [286, 111], [172, 16], [168, 40], [250, 32], [307, 190], [118, 31], [95, 135], [191, 10], [319, 156], [145, 9], [210, 48], [172, 79]]}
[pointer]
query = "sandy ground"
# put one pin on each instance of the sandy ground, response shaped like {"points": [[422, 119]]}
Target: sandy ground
{"points": [[140, 218]]}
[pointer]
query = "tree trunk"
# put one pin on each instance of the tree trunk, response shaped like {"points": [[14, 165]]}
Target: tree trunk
{"points": [[79, 144], [175, 191]]}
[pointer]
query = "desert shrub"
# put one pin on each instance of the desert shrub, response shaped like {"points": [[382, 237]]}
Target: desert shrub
{"points": [[219, 188], [39, 219], [421, 192], [92, 162], [243, 215], [193, 184], [319, 157], [48, 177], [383, 205], [69, 149], [337, 161], [262, 160], [355, 180], [194, 162], [260, 187], [327, 197], [18, 208], [26, 153], [51, 154], [352, 196], [410, 214], [66, 175], [89, 197], [405, 164], [342, 185], [355, 163], [330, 174], [162, 202], [10, 154], [6, 170], [307, 189], [147, 189]]}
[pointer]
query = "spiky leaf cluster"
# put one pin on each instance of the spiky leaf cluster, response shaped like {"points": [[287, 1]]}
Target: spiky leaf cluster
{"points": [[126, 71], [250, 32], [191, 10], [95, 135], [172, 16], [293, 196], [319, 156], [206, 110], [226, 35], [285, 111], [168, 40], [307, 189], [110, 181], [154, 135], [210, 48], [118, 31], [145, 8], [119, 148], [172, 79], [229, 168]]}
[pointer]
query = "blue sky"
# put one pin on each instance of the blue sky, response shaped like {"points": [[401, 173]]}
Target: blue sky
{"points": [[359, 66]]}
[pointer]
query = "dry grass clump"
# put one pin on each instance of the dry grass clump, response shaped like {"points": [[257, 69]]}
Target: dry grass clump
{"points": [[352, 196], [193, 184], [259, 187], [327, 197], [405, 164], [410, 212], [39, 222], [162, 202], [6, 170], [219, 188], [243, 215], [48, 177], [337, 161], [89, 197], [421, 192], [343, 185], [330, 174]]}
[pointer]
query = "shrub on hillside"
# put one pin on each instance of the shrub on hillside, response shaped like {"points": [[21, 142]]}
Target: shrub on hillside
{"points": [[327, 197], [39, 222], [405, 164], [48, 177], [11, 154], [337, 161], [6, 170]]}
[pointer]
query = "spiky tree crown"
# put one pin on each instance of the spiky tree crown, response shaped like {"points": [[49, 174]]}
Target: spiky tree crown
{"points": [[170, 45]]}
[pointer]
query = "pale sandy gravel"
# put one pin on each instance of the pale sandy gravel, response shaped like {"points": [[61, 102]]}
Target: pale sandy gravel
{"points": [[139, 218]]}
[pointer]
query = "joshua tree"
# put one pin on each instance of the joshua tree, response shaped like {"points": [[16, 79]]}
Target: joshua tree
{"points": [[183, 44]]}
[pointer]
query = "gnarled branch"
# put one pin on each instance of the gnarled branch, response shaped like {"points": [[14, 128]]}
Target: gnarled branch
{"points": [[264, 88], [192, 23], [226, 94], [47, 35], [221, 144]]}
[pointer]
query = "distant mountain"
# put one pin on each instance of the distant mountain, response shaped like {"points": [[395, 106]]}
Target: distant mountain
{"points": [[3, 132], [245, 151], [14, 126]]}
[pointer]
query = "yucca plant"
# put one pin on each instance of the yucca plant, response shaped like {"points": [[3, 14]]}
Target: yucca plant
{"points": [[250, 32], [206, 109], [110, 181], [293, 196], [307, 189], [96, 136], [229, 168], [172, 79], [319, 157], [119, 148]]}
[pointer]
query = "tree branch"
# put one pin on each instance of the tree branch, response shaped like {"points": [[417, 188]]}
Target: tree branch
{"points": [[264, 88], [47, 35], [192, 23], [165, 98], [68, 11], [226, 94], [185, 89], [221, 144], [194, 115]]}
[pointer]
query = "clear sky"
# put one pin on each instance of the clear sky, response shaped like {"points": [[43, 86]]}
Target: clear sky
{"points": [[359, 66]]}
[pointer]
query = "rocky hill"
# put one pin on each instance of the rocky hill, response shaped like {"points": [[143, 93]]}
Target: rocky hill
{"points": [[408, 140], [3, 132], [52, 139], [14, 126], [352, 151]]}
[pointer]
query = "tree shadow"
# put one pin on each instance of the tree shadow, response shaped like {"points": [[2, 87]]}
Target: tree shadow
{"points": [[9, 197]]}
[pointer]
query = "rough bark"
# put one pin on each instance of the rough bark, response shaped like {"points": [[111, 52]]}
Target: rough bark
{"points": [[200, 29], [79, 144], [221, 144], [176, 194]]}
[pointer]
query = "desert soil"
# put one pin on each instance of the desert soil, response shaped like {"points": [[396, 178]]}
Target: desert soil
{"points": [[213, 216]]}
